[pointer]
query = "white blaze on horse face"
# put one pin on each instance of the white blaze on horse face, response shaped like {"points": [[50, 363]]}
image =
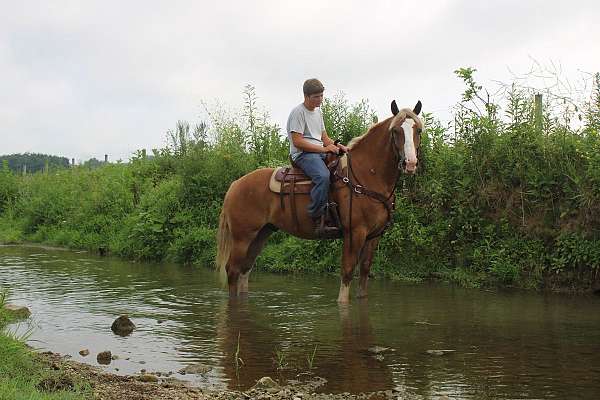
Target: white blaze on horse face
{"points": [[410, 152]]}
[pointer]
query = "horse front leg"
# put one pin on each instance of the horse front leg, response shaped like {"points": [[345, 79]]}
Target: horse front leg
{"points": [[350, 257], [366, 259]]}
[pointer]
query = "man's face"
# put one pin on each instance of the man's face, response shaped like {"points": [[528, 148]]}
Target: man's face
{"points": [[315, 100]]}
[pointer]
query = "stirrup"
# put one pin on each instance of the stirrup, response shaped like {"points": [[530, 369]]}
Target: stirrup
{"points": [[328, 226]]}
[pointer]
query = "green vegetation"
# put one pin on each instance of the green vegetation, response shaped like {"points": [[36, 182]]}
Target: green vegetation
{"points": [[23, 375], [502, 200]]}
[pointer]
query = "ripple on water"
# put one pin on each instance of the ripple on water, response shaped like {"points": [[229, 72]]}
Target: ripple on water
{"points": [[508, 345]]}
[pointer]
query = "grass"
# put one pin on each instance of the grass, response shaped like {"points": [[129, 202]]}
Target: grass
{"points": [[10, 233], [310, 359], [237, 361], [280, 359], [24, 374]]}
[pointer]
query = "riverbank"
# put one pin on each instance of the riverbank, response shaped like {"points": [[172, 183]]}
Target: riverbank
{"points": [[107, 386], [50, 376]]}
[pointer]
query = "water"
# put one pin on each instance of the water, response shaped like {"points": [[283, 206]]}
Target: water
{"points": [[505, 344]]}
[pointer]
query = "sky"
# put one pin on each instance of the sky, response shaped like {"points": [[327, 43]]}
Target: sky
{"points": [[82, 79]]}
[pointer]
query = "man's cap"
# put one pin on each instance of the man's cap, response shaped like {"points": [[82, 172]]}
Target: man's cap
{"points": [[312, 86]]}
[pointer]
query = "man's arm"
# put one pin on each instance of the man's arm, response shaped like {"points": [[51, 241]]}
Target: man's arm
{"points": [[305, 145], [327, 141]]}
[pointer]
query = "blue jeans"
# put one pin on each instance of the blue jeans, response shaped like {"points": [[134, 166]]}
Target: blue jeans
{"points": [[313, 165]]}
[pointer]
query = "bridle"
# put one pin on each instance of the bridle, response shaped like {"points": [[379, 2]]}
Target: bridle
{"points": [[355, 187]]}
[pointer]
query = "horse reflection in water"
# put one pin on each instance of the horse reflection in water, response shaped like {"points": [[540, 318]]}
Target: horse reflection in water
{"points": [[341, 357], [365, 195]]}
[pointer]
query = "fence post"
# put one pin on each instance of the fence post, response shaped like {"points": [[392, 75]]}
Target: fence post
{"points": [[538, 112]]}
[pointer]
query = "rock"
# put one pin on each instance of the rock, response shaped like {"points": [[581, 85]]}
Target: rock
{"points": [[195, 369], [439, 352], [84, 352], [147, 378], [160, 321], [378, 349], [114, 357], [266, 382], [104, 357], [122, 326], [17, 311]]}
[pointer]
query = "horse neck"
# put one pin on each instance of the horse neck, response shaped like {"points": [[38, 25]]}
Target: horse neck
{"points": [[374, 153]]}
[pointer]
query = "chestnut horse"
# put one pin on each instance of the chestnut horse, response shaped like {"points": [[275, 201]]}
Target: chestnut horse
{"points": [[364, 194]]}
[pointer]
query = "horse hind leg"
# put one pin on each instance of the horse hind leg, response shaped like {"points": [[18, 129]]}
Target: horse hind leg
{"points": [[246, 262], [234, 266]]}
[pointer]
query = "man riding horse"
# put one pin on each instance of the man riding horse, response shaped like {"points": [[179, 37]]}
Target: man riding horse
{"points": [[309, 145]]}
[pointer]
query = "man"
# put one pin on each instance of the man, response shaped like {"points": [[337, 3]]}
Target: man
{"points": [[309, 145]]}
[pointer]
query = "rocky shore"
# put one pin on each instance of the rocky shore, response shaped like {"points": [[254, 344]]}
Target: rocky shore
{"points": [[107, 386]]}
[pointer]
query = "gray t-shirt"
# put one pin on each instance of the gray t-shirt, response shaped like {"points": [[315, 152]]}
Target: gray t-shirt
{"points": [[309, 123]]}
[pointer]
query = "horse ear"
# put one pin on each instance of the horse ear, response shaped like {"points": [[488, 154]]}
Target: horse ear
{"points": [[417, 108], [394, 107]]}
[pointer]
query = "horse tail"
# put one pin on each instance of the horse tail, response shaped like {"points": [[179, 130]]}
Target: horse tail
{"points": [[223, 244]]}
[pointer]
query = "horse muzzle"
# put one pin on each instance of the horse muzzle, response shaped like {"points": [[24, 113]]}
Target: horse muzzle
{"points": [[409, 167]]}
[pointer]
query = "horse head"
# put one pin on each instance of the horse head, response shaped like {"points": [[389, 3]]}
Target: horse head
{"points": [[405, 133]]}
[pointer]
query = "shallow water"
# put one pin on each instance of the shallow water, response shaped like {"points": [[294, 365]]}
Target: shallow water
{"points": [[504, 344]]}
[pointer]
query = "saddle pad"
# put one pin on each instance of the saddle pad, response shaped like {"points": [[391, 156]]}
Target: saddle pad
{"points": [[299, 187]]}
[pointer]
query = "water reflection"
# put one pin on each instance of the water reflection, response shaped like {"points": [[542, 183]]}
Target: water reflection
{"points": [[343, 357], [247, 354], [360, 365]]}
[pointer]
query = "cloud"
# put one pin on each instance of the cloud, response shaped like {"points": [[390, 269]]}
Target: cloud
{"points": [[85, 79]]}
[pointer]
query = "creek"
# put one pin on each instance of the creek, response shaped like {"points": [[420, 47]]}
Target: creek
{"points": [[502, 344]]}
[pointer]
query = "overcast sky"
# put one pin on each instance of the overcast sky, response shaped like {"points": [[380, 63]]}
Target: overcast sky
{"points": [[87, 78]]}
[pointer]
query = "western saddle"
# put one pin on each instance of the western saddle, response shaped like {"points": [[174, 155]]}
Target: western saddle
{"points": [[291, 181]]}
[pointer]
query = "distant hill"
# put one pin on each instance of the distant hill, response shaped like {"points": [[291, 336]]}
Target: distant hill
{"points": [[35, 162]]}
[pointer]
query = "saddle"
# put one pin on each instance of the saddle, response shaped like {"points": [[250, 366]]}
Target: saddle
{"points": [[292, 181]]}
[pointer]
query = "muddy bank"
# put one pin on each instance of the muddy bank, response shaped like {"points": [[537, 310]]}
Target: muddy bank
{"points": [[107, 386]]}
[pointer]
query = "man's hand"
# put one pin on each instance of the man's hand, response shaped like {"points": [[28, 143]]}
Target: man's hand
{"points": [[332, 148], [343, 148]]}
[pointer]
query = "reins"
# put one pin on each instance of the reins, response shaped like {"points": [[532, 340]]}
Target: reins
{"points": [[358, 188]]}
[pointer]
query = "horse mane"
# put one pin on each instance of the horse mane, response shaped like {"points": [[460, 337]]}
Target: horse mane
{"points": [[402, 114]]}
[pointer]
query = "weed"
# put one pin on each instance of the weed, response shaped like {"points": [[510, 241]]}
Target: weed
{"points": [[237, 360], [280, 359], [310, 359]]}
